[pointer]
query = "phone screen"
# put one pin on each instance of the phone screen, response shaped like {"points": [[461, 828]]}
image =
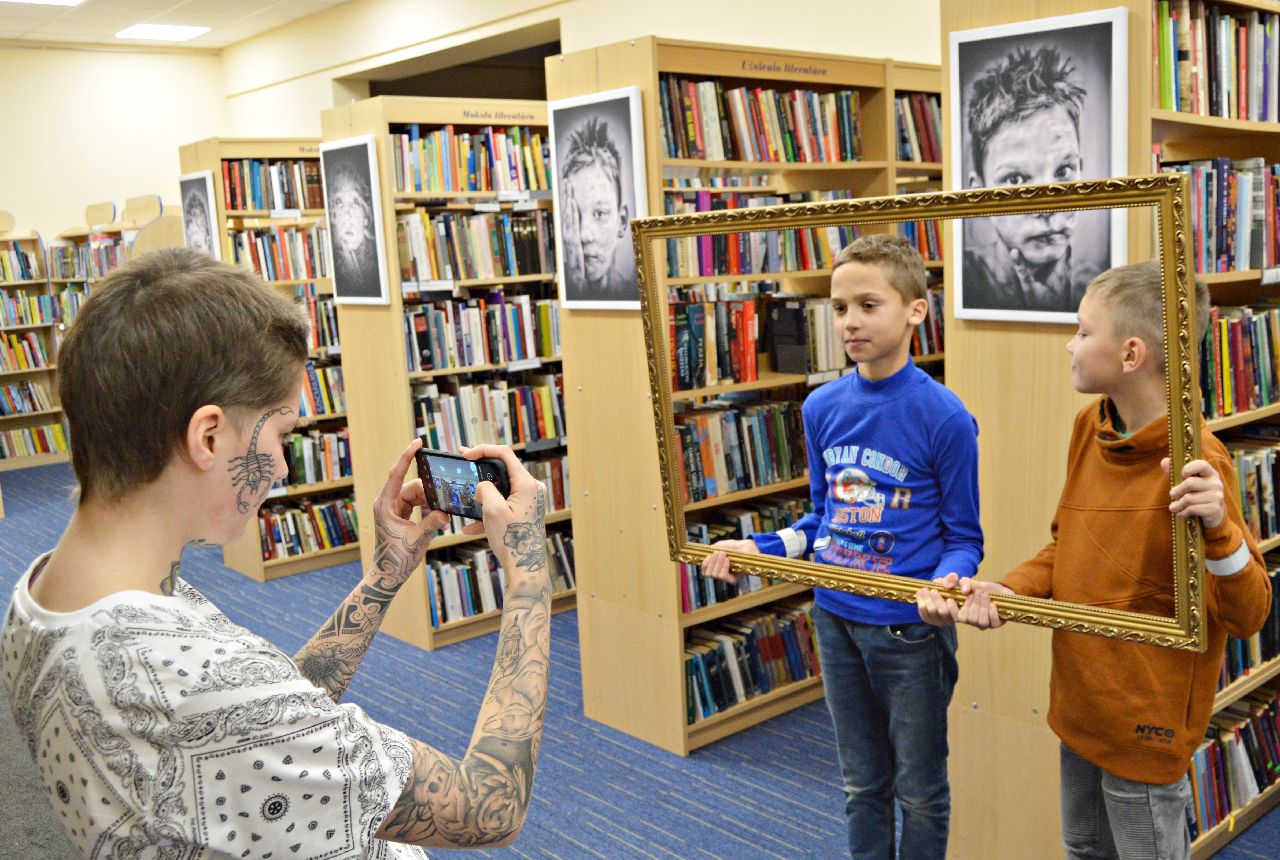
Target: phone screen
{"points": [[453, 486]]}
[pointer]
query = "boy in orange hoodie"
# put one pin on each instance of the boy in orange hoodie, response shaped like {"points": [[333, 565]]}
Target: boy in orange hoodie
{"points": [[1129, 715]]}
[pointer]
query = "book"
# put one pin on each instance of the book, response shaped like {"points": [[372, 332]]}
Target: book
{"points": [[745, 655], [311, 526], [1215, 60]]}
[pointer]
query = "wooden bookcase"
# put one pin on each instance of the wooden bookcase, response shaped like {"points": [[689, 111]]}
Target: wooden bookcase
{"points": [[997, 715], [43, 328], [380, 385], [246, 554], [631, 627], [144, 226]]}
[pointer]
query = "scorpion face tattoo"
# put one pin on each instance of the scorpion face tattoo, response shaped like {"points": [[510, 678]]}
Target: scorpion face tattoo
{"points": [[251, 473]]}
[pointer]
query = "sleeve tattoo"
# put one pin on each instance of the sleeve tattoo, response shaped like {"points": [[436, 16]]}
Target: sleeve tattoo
{"points": [[482, 799], [332, 656]]}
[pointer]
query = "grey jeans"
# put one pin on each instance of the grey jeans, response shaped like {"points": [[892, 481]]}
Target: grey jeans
{"points": [[1105, 817]]}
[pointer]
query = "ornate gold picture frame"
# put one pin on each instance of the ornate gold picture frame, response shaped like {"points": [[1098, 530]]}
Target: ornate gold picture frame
{"points": [[1163, 196]]}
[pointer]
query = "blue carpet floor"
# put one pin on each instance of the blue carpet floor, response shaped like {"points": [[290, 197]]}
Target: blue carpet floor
{"points": [[769, 792]]}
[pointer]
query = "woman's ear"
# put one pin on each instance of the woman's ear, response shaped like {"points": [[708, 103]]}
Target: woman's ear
{"points": [[207, 431]]}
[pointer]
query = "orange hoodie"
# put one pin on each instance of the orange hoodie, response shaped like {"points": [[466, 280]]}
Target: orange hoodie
{"points": [[1138, 711]]}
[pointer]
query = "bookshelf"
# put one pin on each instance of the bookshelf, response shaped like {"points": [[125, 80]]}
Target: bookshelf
{"points": [[1010, 703], [68, 267], [394, 394], [632, 629], [82, 256], [33, 432], [269, 210]]}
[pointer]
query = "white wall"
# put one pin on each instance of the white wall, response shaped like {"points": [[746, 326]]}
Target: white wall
{"points": [[84, 126], [277, 83], [87, 126]]}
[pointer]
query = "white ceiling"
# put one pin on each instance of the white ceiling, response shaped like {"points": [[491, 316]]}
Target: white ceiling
{"points": [[97, 21]]}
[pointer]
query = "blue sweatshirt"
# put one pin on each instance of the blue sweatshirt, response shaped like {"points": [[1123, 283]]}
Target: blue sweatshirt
{"points": [[893, 472]]}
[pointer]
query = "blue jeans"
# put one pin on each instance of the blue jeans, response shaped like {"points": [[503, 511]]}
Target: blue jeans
{"points": [[888, 689], [1105, 816]]}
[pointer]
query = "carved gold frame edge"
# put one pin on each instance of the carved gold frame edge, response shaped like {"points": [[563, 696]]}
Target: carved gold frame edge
{"points": [[1167, 194]]}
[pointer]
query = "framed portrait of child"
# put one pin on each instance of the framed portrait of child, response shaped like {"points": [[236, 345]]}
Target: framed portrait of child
{"points": [[598, 177], [1033, 103], [198, 227], [353, 202]]}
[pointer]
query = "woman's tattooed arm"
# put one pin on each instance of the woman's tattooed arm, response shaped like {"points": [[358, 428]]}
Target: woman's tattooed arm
{"points": [[334, 653], [482, 799]]}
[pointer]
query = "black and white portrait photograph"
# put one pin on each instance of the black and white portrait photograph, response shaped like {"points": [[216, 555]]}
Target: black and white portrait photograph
{"points": [[349, 169], [198, 213], [597, 160], [1037, 102]]}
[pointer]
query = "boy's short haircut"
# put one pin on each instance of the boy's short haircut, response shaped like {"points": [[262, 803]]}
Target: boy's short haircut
{"points": [[899, 260], [1135, 303], [590, 144], [1023, 83], [160, 337]]}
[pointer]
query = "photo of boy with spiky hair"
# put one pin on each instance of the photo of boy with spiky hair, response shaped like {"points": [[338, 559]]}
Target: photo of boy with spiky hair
{"points": [[1037, 103], [599, 186]]}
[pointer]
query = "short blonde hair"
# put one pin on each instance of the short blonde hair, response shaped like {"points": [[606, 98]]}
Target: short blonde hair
{"points": [[1135, 303], [897, 258]]}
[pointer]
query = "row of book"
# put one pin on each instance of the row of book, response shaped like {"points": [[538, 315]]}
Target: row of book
{"points": [[801, 337], [680, 184], [306, 527], [1239, 758], [22, 351], [553, 473], [260, 184], [313, 457], [284, 253], [927, 338], [703, 120], [926, 236], [1233, 213], [472, 582], [1238, 369], [713, 342], [89, 260], [747, 655], [510, 159], [21, 308], [1255, 452], [493, 329], [30, 441], [763, 515], [919, 121], [754, 252], [448, 246], [18, 263], [727, 446], [499, 412], [324, 393], [1215, 60], [322, 318], [69, 299], [24, 398], [1245, 656]]}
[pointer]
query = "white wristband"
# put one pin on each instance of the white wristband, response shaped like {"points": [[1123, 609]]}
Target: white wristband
{"points": [[794, 542], [1232, 564]]}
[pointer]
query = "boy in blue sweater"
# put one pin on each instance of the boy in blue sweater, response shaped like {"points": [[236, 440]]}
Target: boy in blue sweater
{"points": [[893, 473]]}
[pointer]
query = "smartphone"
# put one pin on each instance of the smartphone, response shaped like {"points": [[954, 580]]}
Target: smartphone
{"points": [[450, 480]]}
